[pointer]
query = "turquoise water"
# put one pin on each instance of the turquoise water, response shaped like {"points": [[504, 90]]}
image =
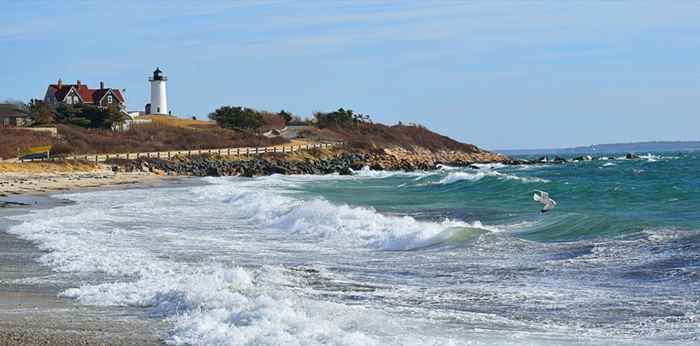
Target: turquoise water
{"points": [[453, 256], [595, 198]]}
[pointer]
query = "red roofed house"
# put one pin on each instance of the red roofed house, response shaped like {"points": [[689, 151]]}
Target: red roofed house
{"points": [[80, 93]]}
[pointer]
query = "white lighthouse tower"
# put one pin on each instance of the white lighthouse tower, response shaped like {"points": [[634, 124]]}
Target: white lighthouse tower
{"points": [[159, 99]]}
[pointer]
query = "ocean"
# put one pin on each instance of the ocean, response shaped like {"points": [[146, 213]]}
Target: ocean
{"points": [[456, 256]]}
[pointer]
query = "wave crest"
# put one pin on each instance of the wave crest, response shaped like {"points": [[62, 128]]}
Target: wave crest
{"points": [[454, 177], [322, 220]]}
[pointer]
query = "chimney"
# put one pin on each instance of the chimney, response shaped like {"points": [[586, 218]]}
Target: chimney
{"points": [[78, 83], [60, 83], [102, 85]]}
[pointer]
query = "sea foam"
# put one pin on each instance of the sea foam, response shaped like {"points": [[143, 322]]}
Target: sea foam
{"points": [[211, 301]]}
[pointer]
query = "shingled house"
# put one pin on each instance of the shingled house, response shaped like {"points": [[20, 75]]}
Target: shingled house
{"points": [[79, 93], [11, 115]]}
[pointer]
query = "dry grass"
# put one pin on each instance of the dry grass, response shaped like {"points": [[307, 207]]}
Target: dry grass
{"points": [[180, 122], [378, 136], [13, 139], [147, 137], [48, 167], [155, 137]]}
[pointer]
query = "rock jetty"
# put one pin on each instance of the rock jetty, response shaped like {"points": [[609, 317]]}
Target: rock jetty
{"points": [[319, 162]]}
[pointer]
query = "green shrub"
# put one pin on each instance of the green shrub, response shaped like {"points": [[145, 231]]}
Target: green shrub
{"points": [[340, 119], [89, 116], [238, 118]]}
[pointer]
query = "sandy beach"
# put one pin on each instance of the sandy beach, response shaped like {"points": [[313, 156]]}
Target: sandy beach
{"points": [[31, 310], [41, 178]]}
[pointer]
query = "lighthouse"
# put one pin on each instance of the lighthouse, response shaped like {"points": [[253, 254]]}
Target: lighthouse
{"points": [[159, 99]]}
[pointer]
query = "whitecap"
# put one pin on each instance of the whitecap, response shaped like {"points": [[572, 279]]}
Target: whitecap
{"points": [[454, 177], [366, 172], [215, 301]]}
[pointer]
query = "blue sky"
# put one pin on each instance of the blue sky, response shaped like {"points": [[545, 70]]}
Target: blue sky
{"points": [[494, 73]]}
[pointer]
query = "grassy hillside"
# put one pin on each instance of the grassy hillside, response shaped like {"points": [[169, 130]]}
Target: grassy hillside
{"points": [[158, 136], [13, 139], [379, 136], [172, 133], [180, 122]]}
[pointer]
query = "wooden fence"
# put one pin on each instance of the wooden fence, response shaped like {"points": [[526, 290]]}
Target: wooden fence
{"points": [[239, 153]]}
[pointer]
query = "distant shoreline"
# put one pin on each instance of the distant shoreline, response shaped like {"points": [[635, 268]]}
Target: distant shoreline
{"points": [[612, 148]]}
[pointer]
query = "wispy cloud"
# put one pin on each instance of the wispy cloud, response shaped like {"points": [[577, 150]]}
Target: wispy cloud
{"points": [[507, 60]]}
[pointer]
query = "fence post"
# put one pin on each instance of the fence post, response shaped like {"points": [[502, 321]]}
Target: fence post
{"points": [[228, 152], [158, 154], [256, 150]]}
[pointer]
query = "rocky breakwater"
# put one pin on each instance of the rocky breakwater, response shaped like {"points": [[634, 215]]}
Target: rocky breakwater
{"points": [[561, 160], [340, 161], [424, 159], [221, 166]]}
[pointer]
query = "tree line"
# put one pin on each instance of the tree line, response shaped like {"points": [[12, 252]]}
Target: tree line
{"points": [[230, 117], [243, 118], [83, 115]]}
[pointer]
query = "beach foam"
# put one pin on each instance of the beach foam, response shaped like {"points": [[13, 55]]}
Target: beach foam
{"points": [[293, 260], [218, 302]]}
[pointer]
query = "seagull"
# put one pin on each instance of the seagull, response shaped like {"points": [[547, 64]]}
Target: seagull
{"points": [[543, 198]]}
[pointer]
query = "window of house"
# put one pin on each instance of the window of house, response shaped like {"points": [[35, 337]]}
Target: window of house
{"points": [[109, 99]]}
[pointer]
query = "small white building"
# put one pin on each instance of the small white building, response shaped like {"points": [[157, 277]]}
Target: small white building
{"points": [[159, 98]]}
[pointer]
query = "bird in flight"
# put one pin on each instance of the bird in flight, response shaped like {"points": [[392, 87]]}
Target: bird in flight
{"points": [[543, 197]]}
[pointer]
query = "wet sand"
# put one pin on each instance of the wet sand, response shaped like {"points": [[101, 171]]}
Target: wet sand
{"points": [[31, 311]]}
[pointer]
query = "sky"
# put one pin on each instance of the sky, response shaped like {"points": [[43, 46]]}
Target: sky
{"points": [[499, 74]]}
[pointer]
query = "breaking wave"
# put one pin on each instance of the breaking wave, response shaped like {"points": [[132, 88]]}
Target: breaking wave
{"points": [[321, 220], [454, 177], [219, 302], [225, 263]]}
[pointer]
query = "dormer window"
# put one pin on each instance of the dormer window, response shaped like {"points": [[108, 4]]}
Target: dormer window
{"points": [[109, 99]]}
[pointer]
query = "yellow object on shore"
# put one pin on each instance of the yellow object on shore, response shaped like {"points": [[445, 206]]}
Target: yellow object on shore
{"points": [[35, 152]]}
